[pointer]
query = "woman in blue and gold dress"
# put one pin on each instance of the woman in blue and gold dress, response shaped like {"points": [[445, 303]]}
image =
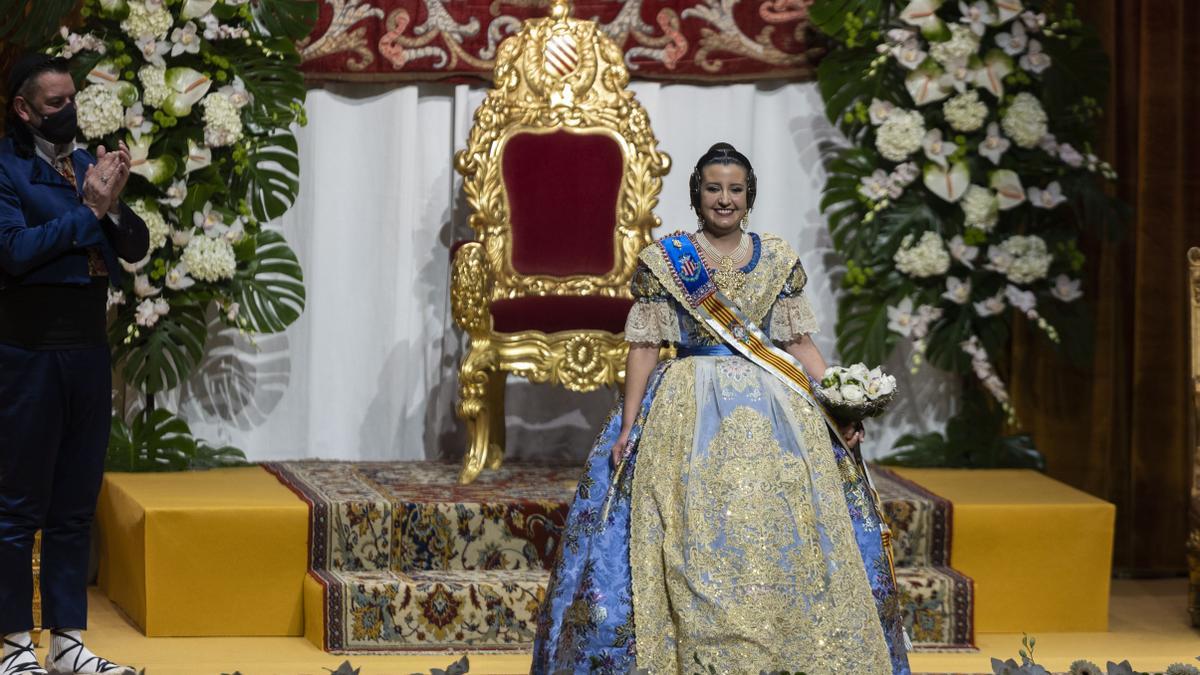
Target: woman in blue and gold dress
{"points": [[720, 515]]}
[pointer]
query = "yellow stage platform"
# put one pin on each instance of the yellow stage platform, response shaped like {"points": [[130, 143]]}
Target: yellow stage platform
{"points": [[224, 552], [1039, 551], [201, 553]]}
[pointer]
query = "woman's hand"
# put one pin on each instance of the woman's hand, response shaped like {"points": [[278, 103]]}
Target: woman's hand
{"points": [[852, 434], [620, 449]]}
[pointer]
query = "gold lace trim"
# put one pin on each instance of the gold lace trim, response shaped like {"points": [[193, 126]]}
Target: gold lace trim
{"points": [[652, 322], [792, 318]]}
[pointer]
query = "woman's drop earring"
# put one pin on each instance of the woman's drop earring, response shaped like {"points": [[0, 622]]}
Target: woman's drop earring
{"points": [[746, 222]]}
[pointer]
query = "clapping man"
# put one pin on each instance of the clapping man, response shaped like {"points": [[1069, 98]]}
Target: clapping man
{"points": [[62, 227]]}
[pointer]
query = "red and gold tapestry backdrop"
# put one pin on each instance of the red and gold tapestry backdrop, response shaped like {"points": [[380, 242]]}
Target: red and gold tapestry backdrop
{"points": [[685, 40]]}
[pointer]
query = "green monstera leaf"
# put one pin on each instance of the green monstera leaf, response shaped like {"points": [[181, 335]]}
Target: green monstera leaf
{"points": [[290, 19], [160, 441], [270, 290], [272, 175], [163, 356]]}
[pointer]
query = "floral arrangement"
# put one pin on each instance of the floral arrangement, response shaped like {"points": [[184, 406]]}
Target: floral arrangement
{"points": [[967, 182], [854, 393], [1029, 666], [205, 94]]}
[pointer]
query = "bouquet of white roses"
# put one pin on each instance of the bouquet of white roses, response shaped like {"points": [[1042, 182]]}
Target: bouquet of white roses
{"points": [[854, 393]]}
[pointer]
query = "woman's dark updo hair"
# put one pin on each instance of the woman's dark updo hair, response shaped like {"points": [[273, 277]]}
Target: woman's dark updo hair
{"points": [[722, 153]]}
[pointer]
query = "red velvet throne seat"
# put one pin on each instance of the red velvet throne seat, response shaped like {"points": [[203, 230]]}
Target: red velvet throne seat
{"points": [[562, 172]]}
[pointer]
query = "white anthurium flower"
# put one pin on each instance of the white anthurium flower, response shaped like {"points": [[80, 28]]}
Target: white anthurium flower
{"points": [[925, 84], [990, 75], [950, 184], [176, 193], [187, 87], [900, 317], [961, 252], [1013, 42], [923, 15], [145, 315], [1070, 156], [193, 9], [879, 111], [113, 6], [180, 238], [158, 170], [1048, 198], [999, 260], [957, 76], [184, 40], [1007, 10], [108, 74], [143, 288], [136, 122], [936, 149], [904, 174], [1009, 191], [958, 290], [1066, 289], [1034, 23], [1025, 301], [210, 220], [994, 145], [910, 55], [198, 157], [991, 306], [134, 267], [177, 279], [154, 51], [976, 15], [1035, 60]]}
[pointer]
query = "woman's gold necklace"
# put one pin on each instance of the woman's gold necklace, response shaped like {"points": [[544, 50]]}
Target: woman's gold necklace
{"points": [[728, 277]]}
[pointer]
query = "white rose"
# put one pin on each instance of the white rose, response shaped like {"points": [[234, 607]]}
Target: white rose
{"points": [[860, 372], [853, 393]]}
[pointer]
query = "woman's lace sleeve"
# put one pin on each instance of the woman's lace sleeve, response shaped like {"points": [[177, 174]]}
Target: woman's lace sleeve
{"points": [[792, 316], [652, 319]]}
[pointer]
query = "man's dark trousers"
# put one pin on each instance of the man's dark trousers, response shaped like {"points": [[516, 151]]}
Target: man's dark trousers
{"points": [[55, 412]]}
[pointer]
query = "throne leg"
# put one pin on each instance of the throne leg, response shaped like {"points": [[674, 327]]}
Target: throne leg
{"points": [[495, 402], [474, 375]]}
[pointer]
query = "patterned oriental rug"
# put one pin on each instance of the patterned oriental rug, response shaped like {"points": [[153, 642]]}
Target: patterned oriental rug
{"points": [[410, 561]]}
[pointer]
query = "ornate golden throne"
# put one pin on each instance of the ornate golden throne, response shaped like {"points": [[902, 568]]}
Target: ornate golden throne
{"points": [[1193, 544], [562, 173]]}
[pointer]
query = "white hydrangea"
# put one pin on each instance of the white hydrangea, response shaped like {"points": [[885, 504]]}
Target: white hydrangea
{"points": [[900, 135], [962, 45], [1025, 120], [147, 19], [965, 112], [210, 259], [928, 258], [100, 111], [1030, 258], [981, 208], [154, 85], [222, 121], [155, 223]]}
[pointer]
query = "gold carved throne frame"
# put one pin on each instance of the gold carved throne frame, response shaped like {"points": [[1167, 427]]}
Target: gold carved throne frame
{"points": [[1193, 543], [557, 78]]}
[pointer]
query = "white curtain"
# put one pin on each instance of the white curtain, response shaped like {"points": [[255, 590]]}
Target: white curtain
{"points": [[369, 371]]}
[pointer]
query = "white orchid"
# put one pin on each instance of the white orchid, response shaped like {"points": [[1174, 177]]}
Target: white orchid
{"points": [[976, 15], [1013, 42], [231, 312], [1069, 155], [143, 288], [145, 315], [116, 297], [1049, 198], [960, 251], [154, 51], [905, 173], [210, 220], [1007, 10], [994, 145], [184, 40], [958, 290], [1024, 301], [1033, 22], [990, 75], [1049, 144], [950, 184], [1066, 289], [198, 157], [909, 54], [1009, 191], [180, 238], [925, 317], [923, 15], [76, 43], [925, 84], [991, 306], [235, 232], [999, 260], [177, 279], [879, 185], [236, 91], [957, 76], [136, 122], [900, 317], [879, 111], [936, 149], [176, 193], [1035, 60]]}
